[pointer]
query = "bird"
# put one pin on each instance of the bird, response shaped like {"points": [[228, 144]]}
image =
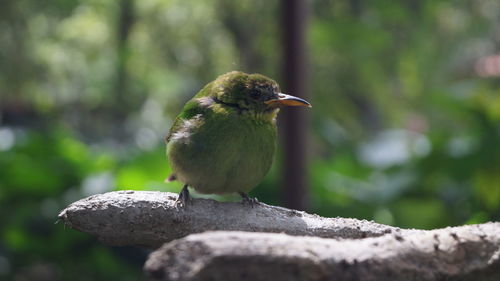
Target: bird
{"points": [[224, 139]]}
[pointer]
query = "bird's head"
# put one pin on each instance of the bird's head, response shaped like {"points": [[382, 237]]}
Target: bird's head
{"points": [[253, 92]]}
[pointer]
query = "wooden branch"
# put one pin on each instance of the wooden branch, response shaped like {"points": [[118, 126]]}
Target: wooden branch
{"points": [[149, 219], [460, 253], [387, 253]]}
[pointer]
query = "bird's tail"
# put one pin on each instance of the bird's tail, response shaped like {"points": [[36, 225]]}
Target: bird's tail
{"points": [[170, 178]]}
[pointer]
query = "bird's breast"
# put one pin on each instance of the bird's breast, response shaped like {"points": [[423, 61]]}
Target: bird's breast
{"points": [[221, 154]]}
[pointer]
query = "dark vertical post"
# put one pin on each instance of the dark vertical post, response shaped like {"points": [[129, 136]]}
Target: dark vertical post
{"points": [[124, 26], [294, 120]]}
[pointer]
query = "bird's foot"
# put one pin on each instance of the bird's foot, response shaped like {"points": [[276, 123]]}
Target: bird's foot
{"points": [[184, 198], [247, 200]]}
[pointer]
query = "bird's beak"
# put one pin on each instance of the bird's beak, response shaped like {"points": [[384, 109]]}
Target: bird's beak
{"points": [[288, 100]]}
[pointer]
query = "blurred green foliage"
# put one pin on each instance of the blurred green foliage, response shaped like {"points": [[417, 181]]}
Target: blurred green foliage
{"points": [[405, 124]]}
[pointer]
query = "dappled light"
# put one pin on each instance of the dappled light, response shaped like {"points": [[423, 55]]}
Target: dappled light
{"points": [[404, 128]]}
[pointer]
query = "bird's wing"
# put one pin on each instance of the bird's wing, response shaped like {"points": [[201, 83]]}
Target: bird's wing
{"points": [[198, 105], [190, 110]]}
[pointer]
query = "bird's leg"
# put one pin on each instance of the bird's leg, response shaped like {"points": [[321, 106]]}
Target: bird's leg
{"points": [[183, 197], [248, 200]]}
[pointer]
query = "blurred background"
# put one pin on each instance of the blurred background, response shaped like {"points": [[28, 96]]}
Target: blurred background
{"points": [[405, 128]]}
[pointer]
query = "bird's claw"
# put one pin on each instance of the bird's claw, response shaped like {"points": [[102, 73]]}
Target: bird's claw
{"points": [[183, 199], [181, 202], [247, 200]]}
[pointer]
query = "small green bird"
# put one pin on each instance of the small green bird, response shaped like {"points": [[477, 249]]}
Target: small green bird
{"points": [[224, 139]]}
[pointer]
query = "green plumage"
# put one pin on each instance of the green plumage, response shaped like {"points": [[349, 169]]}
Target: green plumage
{"points": [[224, 139]]}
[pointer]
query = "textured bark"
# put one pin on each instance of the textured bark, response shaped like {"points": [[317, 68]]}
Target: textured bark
{"points": [[461, 253], [149, 219], [374, 252]]}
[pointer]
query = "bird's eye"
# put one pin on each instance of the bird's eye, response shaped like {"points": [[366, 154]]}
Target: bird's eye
{"points": [[254, 94]]}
